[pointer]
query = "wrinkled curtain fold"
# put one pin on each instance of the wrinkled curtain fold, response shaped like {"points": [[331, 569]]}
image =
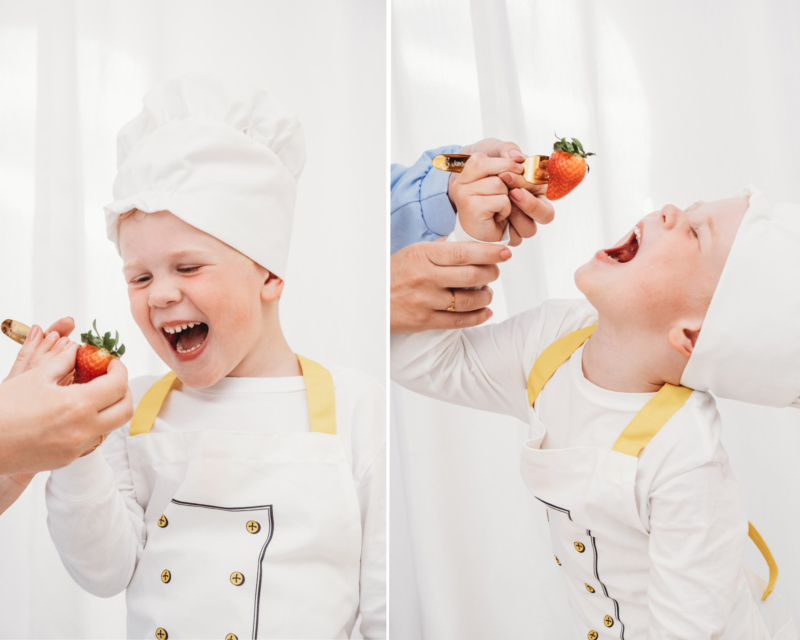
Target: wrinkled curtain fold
{"points": [[681, 101]]}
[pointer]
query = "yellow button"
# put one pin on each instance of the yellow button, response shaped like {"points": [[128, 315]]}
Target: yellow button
{"points": [[231, 636], [579, 546], [253, 526], [608, 621], [589, 589], [592, 635], [163, 522], [166, 576], [557, 560], [237, 579], [161, 634]]}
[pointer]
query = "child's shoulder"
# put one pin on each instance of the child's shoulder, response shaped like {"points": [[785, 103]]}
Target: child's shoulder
{"points": [[553, 320], [693, 436], [360, 416], [355, 383]]}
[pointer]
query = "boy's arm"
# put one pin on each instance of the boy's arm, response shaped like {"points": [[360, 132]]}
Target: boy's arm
{"points": [[698, 532], [372, 500], [94, 519], [482, 367]]}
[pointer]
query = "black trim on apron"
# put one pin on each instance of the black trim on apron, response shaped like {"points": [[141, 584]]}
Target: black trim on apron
{"points": [[268, 508], [605, 591]]}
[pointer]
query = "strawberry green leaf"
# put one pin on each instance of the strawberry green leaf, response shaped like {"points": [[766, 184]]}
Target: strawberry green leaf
{"points": [[121, 350]]}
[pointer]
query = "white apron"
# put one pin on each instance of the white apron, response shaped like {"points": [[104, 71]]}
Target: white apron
{"points": [[248, 535], [598, 538]]}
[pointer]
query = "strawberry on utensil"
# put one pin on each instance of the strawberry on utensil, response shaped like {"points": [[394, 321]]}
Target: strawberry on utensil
{"points": [[567, 167], [95, 354]]}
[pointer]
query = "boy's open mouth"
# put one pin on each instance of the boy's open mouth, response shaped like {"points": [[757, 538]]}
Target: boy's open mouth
{"points": [[627, 250], [186, 337]]}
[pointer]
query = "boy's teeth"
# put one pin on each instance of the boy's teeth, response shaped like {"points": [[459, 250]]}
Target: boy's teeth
{"points": [[179, 348]]}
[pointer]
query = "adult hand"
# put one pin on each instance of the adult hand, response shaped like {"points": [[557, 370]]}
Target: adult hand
{"points": [[41, 346], [46, 426], [423, 275], [528, 205]]}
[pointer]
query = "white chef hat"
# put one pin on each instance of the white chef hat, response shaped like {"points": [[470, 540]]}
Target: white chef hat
{"points": [[749, 347], [223, 157]]}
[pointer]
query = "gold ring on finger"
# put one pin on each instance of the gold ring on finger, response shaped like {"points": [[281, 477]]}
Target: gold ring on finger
{"points": [[102, 437], [452, 306]]}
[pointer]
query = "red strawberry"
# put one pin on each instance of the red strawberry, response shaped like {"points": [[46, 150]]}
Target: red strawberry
{"points": [[567, 167], [95, 355]]}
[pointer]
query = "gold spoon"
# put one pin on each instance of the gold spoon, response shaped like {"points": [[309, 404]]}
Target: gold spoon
{"points": [[17, 331], [534, 168]]}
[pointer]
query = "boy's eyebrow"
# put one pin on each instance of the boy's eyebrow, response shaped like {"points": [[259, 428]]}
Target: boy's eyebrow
{"points": [[176, 255]]}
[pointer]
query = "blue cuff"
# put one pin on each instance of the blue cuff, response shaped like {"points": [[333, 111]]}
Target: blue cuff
{"points": [[437, 210]]}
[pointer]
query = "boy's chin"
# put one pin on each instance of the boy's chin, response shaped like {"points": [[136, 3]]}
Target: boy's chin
{"points": [[197, 379]]}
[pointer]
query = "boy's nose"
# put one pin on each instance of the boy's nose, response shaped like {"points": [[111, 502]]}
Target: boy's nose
{"points": [[162, 295], [671, 216]]}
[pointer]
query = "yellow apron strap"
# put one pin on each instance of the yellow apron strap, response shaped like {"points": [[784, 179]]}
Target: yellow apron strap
{"points": [[651, 417], [553, 357], [150, 405], [755, 536], [321, 399]]}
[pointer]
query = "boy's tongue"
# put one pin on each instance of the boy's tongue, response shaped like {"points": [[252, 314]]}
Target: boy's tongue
{"points": [[193, 337]]}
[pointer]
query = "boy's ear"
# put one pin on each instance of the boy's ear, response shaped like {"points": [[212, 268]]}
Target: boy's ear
{"points": [[683, 336], [272, 289]]}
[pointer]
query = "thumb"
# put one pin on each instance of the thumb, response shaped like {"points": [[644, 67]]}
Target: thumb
{"points": [[510, 150], [62, 364]]}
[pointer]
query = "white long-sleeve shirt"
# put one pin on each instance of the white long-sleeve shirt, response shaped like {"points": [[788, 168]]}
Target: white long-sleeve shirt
{"points": [[686, 495], [97, 524]]}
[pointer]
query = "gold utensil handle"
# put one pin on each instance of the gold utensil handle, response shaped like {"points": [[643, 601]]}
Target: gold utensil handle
{"points": [[534, 168], [452, 162], [17, 331]]}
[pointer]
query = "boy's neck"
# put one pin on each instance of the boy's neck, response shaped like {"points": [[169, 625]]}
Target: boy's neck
{"points": [[271, 357], [622, 360]]}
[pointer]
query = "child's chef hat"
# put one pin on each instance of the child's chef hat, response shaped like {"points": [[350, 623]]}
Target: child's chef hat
{"points": [[748, 348], [223, 157]]}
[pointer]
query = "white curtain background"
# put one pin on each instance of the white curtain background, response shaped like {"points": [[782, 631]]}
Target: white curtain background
{"points": [[681, 101], [71, 74]]}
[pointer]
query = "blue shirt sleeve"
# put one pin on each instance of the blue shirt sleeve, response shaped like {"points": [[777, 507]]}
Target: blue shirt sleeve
{"points": [[421, 210]]}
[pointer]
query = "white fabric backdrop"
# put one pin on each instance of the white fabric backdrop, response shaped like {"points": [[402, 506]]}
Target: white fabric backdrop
{"points": [[681, 101], [71, 73]]}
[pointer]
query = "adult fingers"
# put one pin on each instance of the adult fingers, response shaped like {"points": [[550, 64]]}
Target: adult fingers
{"points": [[514, 239], [499, 205], [448, 320], [538, 208], [106, 390], [467, 276], [509, 150], [480, 166], [522, 224], [465, 299], [517, 181], [63, 326], [32, 342], [446, 254]]}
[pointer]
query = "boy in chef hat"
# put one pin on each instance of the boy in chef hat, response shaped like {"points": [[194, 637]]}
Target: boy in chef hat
{"points": [[246, 498], [646, 517]]}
